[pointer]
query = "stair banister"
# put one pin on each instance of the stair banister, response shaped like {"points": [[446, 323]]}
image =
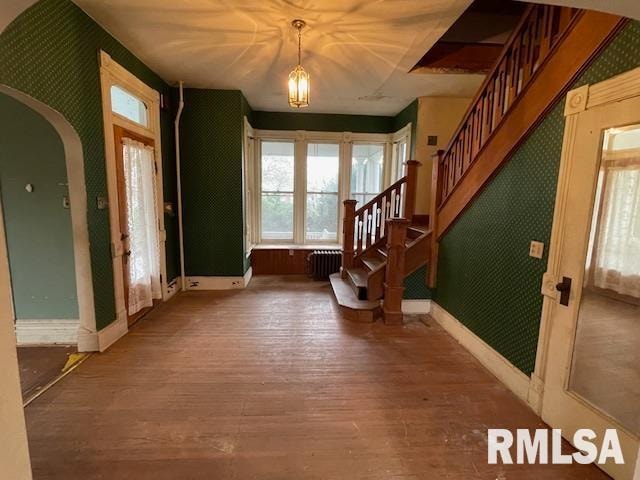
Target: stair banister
{"points": [[394, 276], [436, 195], [348, 229], [410, 190]]}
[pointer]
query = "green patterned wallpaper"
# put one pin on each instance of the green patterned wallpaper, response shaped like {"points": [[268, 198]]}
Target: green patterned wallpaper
{"points": [[415, 287], [485, 277], [408, 114], [50, 52], [211, 159]]}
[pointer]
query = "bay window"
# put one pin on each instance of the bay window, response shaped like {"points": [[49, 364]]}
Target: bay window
{"points": [[323, 167], [302, 178]]}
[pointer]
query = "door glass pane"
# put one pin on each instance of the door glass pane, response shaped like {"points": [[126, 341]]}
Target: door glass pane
{"points": [[323, 162], [129, 106], [606, 359], [366, 171], [277, 216]]}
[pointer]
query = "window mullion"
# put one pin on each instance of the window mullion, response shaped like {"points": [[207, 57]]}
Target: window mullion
{"points": [[300, 186]]}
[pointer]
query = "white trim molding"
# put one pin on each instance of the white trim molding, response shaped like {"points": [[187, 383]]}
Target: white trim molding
{"points": [[173, 287], [505, 371], [414, 307], [47, 332], [219, 283], [111, 73]]}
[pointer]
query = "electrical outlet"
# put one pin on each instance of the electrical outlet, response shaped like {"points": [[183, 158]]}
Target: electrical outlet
{"points": [[536, 250]]}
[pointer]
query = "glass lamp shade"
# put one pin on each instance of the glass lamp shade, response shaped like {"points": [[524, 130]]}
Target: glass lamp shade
{"points": [[299, 88]]}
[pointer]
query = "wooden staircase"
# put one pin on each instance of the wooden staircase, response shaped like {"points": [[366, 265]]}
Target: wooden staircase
{"points": [[546, 52], [380, 248]]}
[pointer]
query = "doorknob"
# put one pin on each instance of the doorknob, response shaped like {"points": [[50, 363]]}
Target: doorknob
{"points": [[127, 253], [124, 236], [564, 288]]}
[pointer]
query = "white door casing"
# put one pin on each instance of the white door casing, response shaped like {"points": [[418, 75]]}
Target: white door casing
{"points": [[589, 111]]}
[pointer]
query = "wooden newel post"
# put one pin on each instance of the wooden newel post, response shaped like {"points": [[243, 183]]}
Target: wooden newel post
{"points": [[394, 277], [348, 232], [410, 192], [436, 196]]}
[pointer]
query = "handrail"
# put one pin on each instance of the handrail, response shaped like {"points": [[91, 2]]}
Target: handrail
{"points": [[538, 33], [369, 204], [365, 227]]}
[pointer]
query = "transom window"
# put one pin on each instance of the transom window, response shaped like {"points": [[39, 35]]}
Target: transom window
{"points": [[129, 106]]}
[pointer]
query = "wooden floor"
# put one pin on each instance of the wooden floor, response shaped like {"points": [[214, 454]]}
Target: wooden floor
{"points": [[606, 360], [41, 365], [269, 383]]}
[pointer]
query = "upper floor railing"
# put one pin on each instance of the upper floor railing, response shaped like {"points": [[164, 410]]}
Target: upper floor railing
{"points": [[539, 31]]}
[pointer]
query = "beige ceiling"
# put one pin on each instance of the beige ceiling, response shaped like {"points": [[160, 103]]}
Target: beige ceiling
{"points": [[358, 52]]}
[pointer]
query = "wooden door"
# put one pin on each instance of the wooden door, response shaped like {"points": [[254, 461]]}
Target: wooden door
{"points": [[119, 134], [593, 366]]}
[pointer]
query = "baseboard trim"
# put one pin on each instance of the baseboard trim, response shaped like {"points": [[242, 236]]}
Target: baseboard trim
{"points": [[113, 332], [416, 306], [219, 283], [509, 375], [173, 287], [47, 332]]}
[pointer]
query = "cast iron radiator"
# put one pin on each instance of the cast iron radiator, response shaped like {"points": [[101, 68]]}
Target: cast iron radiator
{"points": [[322, 263]]}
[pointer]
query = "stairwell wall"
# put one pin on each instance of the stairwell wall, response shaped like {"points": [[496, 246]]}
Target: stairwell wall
{"points": [[485, 277]]}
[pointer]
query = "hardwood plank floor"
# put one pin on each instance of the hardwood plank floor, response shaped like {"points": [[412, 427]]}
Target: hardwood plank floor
{"points": [[270, 383], [41, 365]]}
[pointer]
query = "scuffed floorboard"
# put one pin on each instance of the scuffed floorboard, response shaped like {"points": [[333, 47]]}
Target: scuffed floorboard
{"points": [[270, 383]]}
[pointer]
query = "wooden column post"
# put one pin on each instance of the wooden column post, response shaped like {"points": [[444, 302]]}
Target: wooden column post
{"points": [[436, 196], [394, 276], [348, 232], [410, 192]]}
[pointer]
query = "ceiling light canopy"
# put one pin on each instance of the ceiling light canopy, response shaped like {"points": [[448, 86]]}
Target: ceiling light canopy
{"points": [[299, 78]]}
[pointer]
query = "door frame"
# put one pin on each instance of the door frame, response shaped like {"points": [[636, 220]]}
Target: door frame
{"points": [[111, 73], [578, 101]]}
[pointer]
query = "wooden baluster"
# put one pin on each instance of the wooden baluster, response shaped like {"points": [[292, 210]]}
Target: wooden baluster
{"points": [[369, 225], [394, 275], [348, 235], [436, 201], [411, 189], [361, 232]]}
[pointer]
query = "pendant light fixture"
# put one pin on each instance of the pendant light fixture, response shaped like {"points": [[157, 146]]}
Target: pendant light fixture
{"points": [[299, 78]]}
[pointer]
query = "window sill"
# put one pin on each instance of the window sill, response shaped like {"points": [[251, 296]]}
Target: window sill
{"points": [[284, 246]]}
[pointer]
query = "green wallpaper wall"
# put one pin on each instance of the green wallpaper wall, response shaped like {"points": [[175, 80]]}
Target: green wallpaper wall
{"points": [[322, 122], [485, 277], [408, 114], [50, 52], [38, 227], [211, 159]]}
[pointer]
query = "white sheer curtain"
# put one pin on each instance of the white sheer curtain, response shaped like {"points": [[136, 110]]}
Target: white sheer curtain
{"points": [[617, 246], [144, 241]]}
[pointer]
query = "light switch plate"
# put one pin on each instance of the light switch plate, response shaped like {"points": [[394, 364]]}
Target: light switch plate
{"points": [[536, 250]]}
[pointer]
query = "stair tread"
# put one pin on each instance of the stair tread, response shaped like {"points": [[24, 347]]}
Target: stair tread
{"points": [[347, 298], [358, 276], [383, 251], [373, 263]]}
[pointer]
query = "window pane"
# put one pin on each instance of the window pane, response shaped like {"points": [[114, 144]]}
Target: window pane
{"points": [[401, 155], [277, 216], [322, 216], [366, 170], [129, 106], [322, 167], [277, 166]]}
